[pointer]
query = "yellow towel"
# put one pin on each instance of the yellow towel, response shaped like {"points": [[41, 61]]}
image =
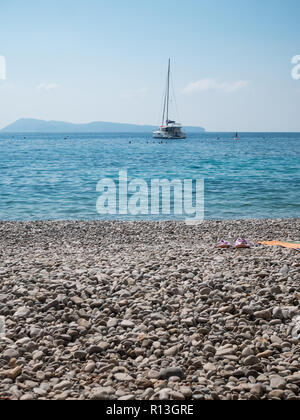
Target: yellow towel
{"points": [[283, 244]]}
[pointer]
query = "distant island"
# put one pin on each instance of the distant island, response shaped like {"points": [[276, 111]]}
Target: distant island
{"points": [[39, 126]]}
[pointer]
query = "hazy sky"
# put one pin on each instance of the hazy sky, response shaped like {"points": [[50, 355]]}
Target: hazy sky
{"points": [[106, 60]]}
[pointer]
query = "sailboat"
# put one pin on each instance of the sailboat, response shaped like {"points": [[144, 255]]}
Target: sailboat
{"points": [[169, 128], [236, 136]]}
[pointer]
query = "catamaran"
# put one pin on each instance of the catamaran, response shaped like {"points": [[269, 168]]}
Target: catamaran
{"points": [[169, 128]]}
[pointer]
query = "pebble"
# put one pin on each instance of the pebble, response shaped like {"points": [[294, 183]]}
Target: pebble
{"points": [[173, 371], [22, 312], [285, 270], [130, 397], [127, 324], [80, 354], [265, 314], [186, 392], [14, 373], [258, 390], [27, 397], [209, 367], [153, 374], [37, 355], [251, 361], [277, 382], [99, 394], [10, 354], [61, 386], [94, 350], [209, 349], [172, 351], [226, 350], [90, 367], [277, 394], [147, 311], [123, 377], [112, 323]]}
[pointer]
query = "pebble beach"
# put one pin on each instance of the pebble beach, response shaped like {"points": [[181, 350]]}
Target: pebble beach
{"points": [[148, 311]]}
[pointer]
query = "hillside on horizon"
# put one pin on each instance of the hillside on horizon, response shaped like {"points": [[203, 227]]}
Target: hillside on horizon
{"points": [[40, 126]]}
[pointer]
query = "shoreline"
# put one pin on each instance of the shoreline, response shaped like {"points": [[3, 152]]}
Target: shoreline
{"points": [[148, 310]]}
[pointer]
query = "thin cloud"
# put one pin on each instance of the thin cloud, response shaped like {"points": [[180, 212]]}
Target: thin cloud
{"points": [[210, 84], [47, 87], [135, 93], [2, 68]]}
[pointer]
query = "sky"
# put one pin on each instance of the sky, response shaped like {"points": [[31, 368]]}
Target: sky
{"points": [[106, 60]]}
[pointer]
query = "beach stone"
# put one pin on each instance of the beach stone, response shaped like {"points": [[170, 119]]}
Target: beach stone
{"points": [[226, 350], [176, 396], [49, 318], [248, 351], [13, 362], [123, 377], [209, 367], [174, 379], [96, 349], [35, 332], [103, 345], [27, 397], [294, 379], [163, 395], [22, 312], [77, 300], [276, 290], [205, 291], [80, 355], [251, 361], [278, 382], [40, 392], [130, 397], [172, 371], [258, 390], [153, 374], [264, 355], [276, 394], [265, 314], [186, 392], [276, 340], [84, 323], [90, 367], [209, 349], [63, 396], [37, 355], [144, 383], [127, 324], [40, 376], [15, 392], [61, 386], [10, 354], [172, 351], [14, 373], [100, 394], [247, 310], [285, 270], [112, 323], [53, 304]]}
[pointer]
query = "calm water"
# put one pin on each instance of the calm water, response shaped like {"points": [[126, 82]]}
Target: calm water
{"points": [[47, 177]]}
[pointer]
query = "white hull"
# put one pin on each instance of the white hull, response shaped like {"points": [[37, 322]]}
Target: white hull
{"points": [[165, 136]]}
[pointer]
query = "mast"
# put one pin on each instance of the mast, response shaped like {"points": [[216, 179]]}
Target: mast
{"points": [[168, 91], [164, 112]]}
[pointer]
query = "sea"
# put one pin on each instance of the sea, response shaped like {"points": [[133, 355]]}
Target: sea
{"points": [[55, 176]]}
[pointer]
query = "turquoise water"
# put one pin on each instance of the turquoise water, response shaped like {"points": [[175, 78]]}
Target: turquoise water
{"points": [[45, 177]]}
